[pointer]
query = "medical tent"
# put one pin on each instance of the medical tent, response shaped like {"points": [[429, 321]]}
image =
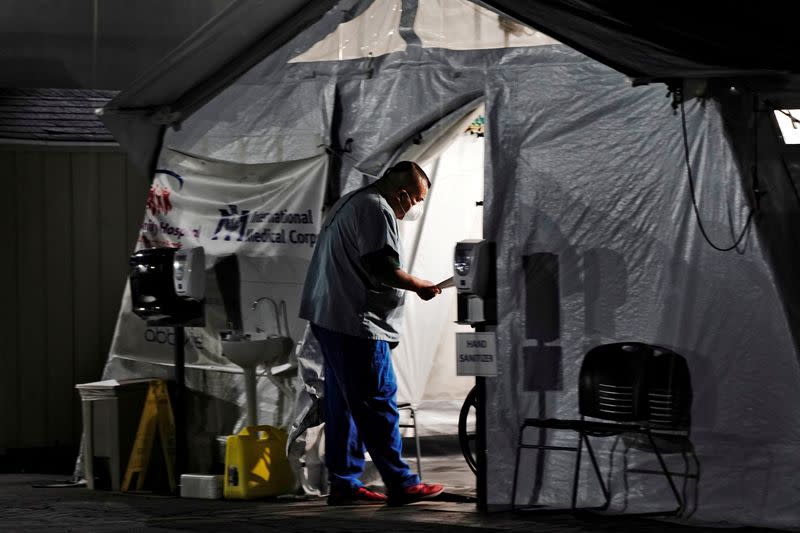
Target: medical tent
{"points": [[637, 153]]}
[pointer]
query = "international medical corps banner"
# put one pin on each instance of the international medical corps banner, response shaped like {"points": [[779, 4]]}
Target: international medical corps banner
{"points": [[267, 214]]}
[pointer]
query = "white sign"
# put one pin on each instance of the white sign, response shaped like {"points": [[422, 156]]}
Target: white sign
{"points": [[476, 354]]}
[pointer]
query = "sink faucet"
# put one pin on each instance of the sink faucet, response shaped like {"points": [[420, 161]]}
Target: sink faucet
{"points": [[257, 301]]}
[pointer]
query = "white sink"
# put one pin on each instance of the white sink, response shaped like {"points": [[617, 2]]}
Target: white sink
{"points": [[248, 352]]}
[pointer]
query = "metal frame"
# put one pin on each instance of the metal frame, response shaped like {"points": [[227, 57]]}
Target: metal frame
{"points": [[586, 429], [405, 406]]}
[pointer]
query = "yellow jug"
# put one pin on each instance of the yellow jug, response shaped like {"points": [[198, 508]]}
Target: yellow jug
{"points": [[256, 465]]}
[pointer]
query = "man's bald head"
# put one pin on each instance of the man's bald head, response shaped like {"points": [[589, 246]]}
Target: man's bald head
{"points": [[407, 175], [405, 184]]}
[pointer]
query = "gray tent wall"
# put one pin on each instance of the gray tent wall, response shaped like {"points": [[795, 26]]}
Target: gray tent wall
{"points": [[581, 165], [593, 173]]}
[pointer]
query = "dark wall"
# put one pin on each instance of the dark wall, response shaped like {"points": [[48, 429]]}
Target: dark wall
{"points": [[70, 217], [97, 44]]}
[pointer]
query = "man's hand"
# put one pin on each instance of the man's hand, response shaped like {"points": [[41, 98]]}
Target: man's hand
{"points": [[383, 266], [427, 289]]}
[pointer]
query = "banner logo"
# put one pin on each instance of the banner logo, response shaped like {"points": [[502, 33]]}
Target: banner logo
{"points": [[158, 202], [245, 225], [232, 223]]}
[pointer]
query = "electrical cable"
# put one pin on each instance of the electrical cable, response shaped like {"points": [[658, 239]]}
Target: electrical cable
{"points": [[694, 197]]}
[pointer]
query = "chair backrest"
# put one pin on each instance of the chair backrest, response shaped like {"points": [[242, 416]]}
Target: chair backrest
{"points": [[636, 382], [610, 386], [669, 390]]}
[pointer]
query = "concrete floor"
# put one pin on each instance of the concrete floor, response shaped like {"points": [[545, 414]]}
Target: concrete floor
{"points": [[24, 508]]}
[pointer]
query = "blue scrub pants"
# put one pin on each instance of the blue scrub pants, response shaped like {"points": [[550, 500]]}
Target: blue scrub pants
{"points": [[361, 411]]}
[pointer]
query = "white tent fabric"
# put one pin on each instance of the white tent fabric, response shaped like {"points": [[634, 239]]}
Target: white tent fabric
{"points": [[633, 266], [464, 25], [374, 33], [450, 24], [578, 164]]}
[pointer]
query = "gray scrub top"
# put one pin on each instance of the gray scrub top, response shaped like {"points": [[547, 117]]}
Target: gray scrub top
{"points": [[339, 294]]}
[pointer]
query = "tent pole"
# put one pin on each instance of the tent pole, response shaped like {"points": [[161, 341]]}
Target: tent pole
{"points": [[480, 438], [179, 411]]}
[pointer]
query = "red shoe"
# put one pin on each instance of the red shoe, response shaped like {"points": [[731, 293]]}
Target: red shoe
{"points": [[360, 496], [415, 493]]}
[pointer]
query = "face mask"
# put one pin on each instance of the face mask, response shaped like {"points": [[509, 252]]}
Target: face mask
{"points": [[415, 213]]}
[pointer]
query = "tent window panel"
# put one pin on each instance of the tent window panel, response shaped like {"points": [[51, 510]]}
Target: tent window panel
{"points": [[789, 124], [374, 33], [463, 25]]}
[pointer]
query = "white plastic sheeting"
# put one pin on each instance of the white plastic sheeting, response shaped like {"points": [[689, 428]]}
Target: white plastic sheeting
{"points": [[248, 124], [375, 32], [464, 25], [587, 168], [450, 24], [306, 442]]}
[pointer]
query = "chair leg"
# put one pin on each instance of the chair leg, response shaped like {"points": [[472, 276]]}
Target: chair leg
{"points": [[667, 474], [686, 473], [626, 487], [516, 470], [416, 441], [577, 471], [611, 455], [696, 477], [605, 490]]}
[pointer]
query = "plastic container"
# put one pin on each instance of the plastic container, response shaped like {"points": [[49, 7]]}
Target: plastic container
{"points": [[207, 487], [256, 465]]}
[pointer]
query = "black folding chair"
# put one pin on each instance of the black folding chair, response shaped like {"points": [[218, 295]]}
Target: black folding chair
{"points": [[669, 396], [621, 391]]}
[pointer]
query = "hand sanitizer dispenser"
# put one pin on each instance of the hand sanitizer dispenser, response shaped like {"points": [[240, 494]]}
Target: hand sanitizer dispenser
{"points": [[168, 286], [475, 281], [189, 273]]}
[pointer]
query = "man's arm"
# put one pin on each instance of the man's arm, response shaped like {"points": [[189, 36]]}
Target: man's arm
{"points": [[385, 267]]}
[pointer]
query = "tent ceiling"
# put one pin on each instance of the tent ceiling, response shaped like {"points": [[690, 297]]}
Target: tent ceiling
{"points": [[247, 30], [642, 39], [662, 40], [647, 41]]}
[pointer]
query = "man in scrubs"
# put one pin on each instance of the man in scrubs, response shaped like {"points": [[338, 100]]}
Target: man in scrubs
{"points": [[353, 297]]}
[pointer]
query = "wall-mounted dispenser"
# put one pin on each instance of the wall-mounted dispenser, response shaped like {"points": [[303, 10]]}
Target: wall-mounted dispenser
{"points": [[168, 286], [475, 277], [189, 273]]}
